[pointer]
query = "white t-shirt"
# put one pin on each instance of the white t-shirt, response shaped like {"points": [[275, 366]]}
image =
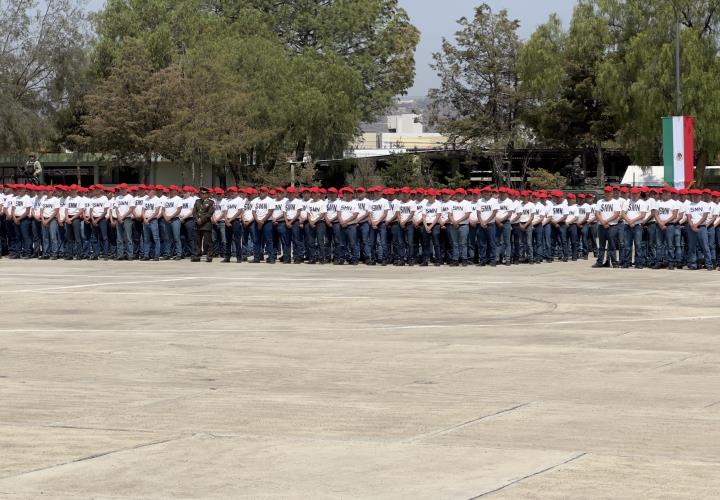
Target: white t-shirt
{"points": [[558, 210], [363, 206], [48, 204], [696, 211], [445, 207], [316, 209], [171, 204], [394, 209], [635, 208], [378, 208], [23, 205], [73, 205], [293, 208], [347, 209], [486, 208], [573, 213], [652, 205], [540, 213], [123, 204], [248, 214], [505, 209], [665, 210], [459, 209], [432, 211], [710, 220], [233, 207], [418, 212], [187, 205], [331, 210], [261, 206], [279, 210], [525, 210], [407, 210], [608, 208], [149, 205], [139, 205], [98, 205]]}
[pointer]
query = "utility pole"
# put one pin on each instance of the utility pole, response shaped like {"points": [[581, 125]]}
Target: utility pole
{"points": [[678, 89]]}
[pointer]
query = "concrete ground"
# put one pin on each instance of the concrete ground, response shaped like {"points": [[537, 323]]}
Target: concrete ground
{"points": [[179, 380]]}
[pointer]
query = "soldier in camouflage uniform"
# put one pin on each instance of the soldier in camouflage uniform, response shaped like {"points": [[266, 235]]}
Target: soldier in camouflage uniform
{"points": [[202, 213]]}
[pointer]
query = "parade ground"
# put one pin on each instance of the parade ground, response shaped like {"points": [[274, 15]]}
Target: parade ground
{"points": [[179, 380]]}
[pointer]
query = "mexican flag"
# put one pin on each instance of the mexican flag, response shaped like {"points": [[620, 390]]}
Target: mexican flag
{"points": [[678, 150]]}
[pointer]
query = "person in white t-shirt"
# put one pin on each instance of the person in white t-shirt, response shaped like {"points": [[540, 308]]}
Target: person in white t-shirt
{"points": [[348, 214], [292, 236], [20, 215], [716, 227], [405, 229], [487, 209], [707, 197], [523, 227], [395, 235], [503, 222], [188, 198], [378, 210], [74, 208], [123, 206], [634, 216], [315, 227], [234, 206], [262, 208], [608, 212], [278, 220], [458, 227], [588, 229], [666, 217], [49, 214], [333, 237], [99, 205], [697, 213], [573, 230], [432, 214], [151, 232], [170, 217]]}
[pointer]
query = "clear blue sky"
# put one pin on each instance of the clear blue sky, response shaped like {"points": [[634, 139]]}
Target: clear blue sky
{"points": [[438, 18]]}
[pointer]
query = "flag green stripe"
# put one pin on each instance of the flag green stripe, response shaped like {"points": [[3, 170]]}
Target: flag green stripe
{"points": [[668, 159]]}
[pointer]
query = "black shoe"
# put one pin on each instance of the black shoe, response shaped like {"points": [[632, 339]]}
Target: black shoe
{"points": [[493, 264], [226, 259], [156, 259], [209, 259], [271, 262], [145, 258], [671, 267], [639, 267], [598, 265]]}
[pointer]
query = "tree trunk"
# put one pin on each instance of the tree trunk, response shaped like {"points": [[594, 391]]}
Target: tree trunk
{"points": [[192, 169], [600, 166], [202, 170], [702, 162]]}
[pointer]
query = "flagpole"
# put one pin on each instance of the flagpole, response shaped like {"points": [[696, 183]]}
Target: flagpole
{"points": [[678, 90]]}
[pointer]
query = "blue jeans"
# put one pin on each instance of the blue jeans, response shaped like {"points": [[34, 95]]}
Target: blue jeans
{"points": [[189, 234], [337, 245], [486, 244], [607, 239], [538, 231], [233, 238], [458, 239], [51, 237], [101, 245], [665, 245], [125, 239], [633, 237], [524, 241], [650, 242], [363, 230], [377, 243], [559, 240], [151, 231], [711, 243], [315, 241], [73, 239], [502, 237], [431, 241], [698, 244], [24, 237], [350, 247], [173, 232], [219, 238], [573, 239], [264, 240]]}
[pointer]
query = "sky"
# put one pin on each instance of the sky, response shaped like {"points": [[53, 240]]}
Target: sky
{"points": [[438, 18]]}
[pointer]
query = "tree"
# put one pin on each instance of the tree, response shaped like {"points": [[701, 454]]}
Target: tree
{"points": [[406, 170], [41, 45], [127, 110], [479, 86], [559, 74], [636, 77], [539, 178]]}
